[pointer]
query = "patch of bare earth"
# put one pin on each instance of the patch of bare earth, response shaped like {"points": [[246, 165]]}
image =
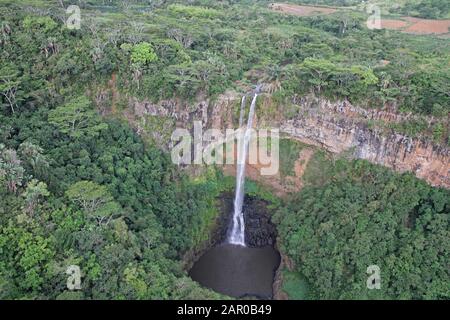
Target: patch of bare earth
{"points": [[417, 25], [392, 24], [425, 26], [279, 185], [302, 11]]}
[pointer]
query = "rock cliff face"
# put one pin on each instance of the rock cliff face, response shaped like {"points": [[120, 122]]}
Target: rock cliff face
{"points": [[259, 229], [340, 127], [335, 126]]}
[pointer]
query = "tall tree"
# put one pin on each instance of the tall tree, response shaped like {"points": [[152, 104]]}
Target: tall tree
{"points": [[35, 191], [77, 118], [95, 200], [11, 170]]}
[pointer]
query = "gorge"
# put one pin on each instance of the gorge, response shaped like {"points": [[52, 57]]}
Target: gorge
{"points": [[233, 268], [335, 126], [359, 145]]}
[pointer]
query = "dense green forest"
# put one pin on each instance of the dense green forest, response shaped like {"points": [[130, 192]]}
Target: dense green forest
{"points": [[79, 189], [101, 200], [335, 55], [353, 215], [78, 186], [431, 9]]}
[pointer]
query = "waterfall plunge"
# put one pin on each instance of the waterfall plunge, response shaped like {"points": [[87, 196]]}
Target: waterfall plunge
{"points": [[237, 234]]}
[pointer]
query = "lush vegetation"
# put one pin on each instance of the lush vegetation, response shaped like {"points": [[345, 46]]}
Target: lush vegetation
{"points": [[219, 44], [430, 9], [336, 3], [79, 187], [104, 202], [357, 215]]}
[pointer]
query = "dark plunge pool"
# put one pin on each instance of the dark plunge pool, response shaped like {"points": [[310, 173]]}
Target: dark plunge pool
{"points": [[238, 271], [242, 271]]}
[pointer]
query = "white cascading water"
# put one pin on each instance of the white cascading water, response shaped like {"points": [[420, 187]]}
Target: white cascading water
{"points": [[241, 117], [237, 234]]}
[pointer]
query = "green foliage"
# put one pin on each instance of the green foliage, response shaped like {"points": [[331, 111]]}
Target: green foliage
{"points": [[319, 169], [33, 159], [39, 24], [193, 11], [430, 9], [11, 170], [95, 200], [365, 215], [26, 255], [34, 192], [289, 154], [295, 286], [412, 128], [204, 48], [438, 132], [76, 118], [325, 76], [126, 217], [143, 53], [10, 86]]}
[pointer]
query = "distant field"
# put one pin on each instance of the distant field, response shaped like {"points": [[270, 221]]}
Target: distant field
{"points": [[417, 25], [402, 24]]}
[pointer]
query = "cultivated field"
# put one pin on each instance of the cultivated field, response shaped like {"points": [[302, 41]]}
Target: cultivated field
{"points": [[402, 24]]}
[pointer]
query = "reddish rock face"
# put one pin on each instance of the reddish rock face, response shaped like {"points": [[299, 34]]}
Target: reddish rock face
{"points": [[340, 127], [335, 126]]}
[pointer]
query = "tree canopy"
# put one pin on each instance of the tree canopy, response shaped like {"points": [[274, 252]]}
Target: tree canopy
{"points": [[363, 215]]}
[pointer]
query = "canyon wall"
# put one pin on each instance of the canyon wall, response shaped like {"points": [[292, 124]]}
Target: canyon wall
{"points": [[339, 127], [335, 126]]}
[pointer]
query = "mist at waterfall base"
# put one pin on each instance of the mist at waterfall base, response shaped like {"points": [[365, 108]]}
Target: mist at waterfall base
{"points": [[233, 268]]}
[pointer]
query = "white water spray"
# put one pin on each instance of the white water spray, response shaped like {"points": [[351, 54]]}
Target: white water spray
{"points": [[241, 117], [237, 234]]}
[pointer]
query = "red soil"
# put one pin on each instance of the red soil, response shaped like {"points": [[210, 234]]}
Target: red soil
{"points": [[404, 24], [393, 24], [424, 26], [417, 26]]}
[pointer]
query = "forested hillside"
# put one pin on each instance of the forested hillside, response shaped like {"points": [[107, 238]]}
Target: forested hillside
{"points": [[79, 189], [357, 215], [219, 42], [79, 186]]}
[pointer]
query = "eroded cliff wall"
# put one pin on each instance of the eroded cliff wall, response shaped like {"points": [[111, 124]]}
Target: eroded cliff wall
{"points": [[340, 127], [335, 126]]}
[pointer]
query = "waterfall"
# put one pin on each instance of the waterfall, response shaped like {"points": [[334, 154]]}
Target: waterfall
{"points": [[241, 117], [237, 234]]}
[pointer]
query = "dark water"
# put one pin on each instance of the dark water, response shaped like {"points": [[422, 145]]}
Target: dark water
{"points": [[237, 271]]}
